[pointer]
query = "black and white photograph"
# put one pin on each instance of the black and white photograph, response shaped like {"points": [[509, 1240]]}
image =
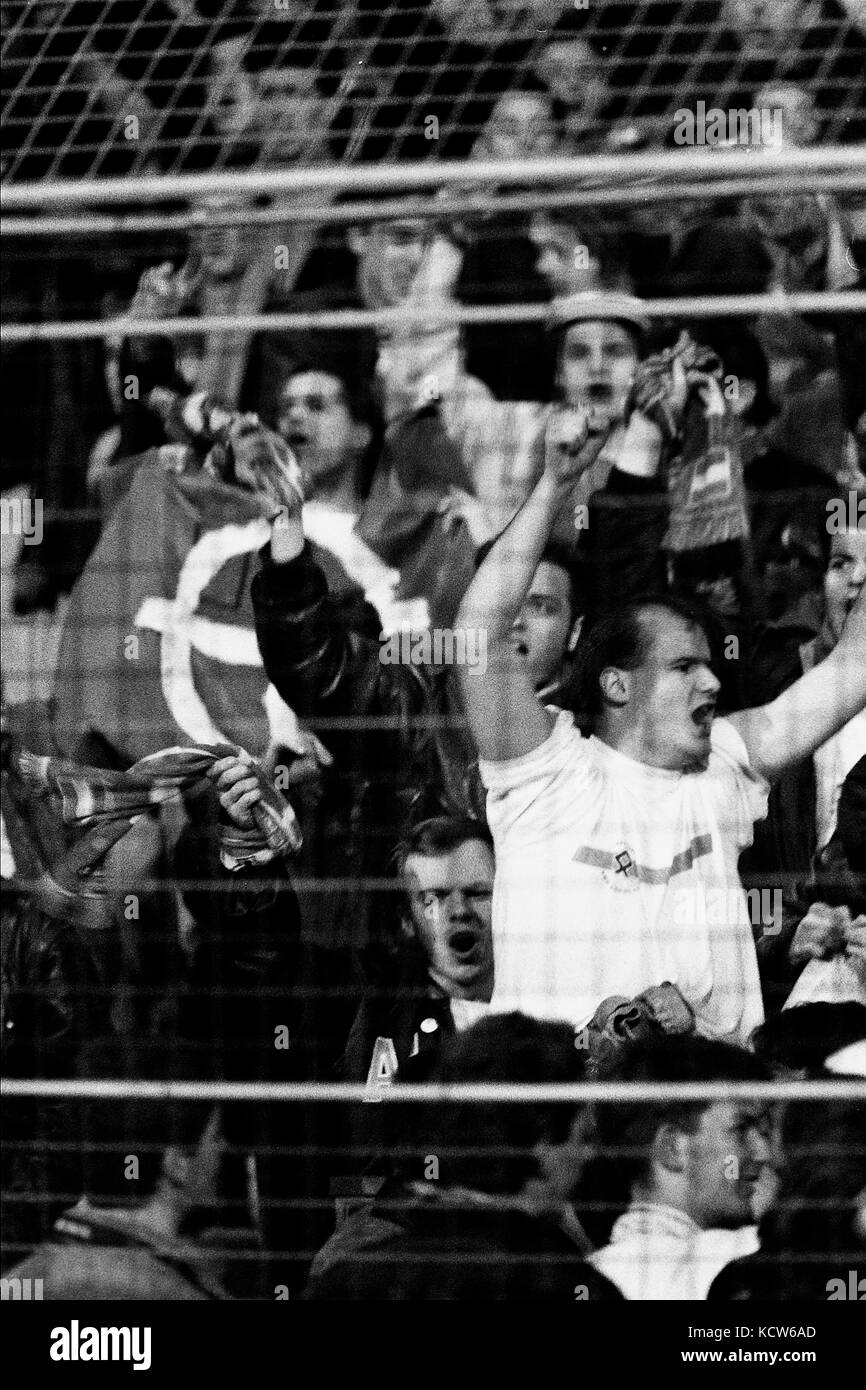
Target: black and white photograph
{"points": [[433, 673]]}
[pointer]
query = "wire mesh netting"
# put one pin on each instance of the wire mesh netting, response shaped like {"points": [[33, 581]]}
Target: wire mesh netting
{"points": [[438, 228], [114, 88]]}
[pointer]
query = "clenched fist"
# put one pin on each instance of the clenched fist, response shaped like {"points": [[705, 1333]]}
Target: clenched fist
{"points": [[568, 448]]}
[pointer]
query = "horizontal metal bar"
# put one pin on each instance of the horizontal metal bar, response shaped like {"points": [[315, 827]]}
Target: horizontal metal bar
{"points": [[474, 1092], [701, 306], [685, 163], [488, 204]]}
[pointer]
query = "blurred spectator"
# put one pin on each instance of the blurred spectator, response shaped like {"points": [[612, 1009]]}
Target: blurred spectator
{"points": [[746, 581], [803, 806], [575, 254], [88, 1254], [405, 261], [599, 341], [819, 946], [813, 1234], [483, 1221], [521, 125], [799, 120], [499, 262], [810, 42], [574, 72], [686, 1174]]}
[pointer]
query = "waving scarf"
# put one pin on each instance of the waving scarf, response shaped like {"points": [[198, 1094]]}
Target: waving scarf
{"points": [[106, 804]]}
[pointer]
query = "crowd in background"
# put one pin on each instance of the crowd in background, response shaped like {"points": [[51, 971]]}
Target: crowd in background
{"points": [[261, 829]]}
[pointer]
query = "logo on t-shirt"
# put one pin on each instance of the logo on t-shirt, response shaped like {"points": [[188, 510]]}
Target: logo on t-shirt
{"points": [[622, 874]]}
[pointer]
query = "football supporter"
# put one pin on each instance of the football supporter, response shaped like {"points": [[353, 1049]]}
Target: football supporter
{"points": [[607, 845]]}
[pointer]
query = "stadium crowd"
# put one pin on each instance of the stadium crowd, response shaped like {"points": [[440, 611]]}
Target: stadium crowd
{"points": [[480, 703]]}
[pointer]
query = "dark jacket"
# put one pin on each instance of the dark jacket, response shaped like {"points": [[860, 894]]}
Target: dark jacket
{"points": [[414, 1016], [397, 734], [443, 1247], [785, 842], [260, 1004], [838, 878], [399, 1029]]}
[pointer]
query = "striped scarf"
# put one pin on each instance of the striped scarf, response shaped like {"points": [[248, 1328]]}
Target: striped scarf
{"points": [[107, 803]]}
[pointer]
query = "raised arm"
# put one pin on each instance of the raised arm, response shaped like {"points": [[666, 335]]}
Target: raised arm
{"points": [[317, 650], [505, 715], [814, 708]]}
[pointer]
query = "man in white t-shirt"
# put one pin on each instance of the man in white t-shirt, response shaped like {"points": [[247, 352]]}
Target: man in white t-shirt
{"points": [[617, 853]]}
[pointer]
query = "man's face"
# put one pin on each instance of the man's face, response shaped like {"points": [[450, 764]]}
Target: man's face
{"points": [[390, 257], [290, 113], [800, 125], [673, 693], [725, 1163], [844, 577], [765, 24], [450, 902], [572, 72], [317, 424], [224, 250], [597, 361], [544, 624], [563, 259], [521, 126], [232, 98]]}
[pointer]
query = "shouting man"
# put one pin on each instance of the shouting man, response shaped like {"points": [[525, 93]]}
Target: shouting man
{"points": [[608, 846]]}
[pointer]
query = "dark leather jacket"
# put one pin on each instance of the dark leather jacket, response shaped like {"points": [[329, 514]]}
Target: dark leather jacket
{"points": [[397, 735]]}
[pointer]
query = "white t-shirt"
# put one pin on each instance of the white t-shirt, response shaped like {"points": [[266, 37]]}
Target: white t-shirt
{"points": [[833, 761], [657, 1252], [612, 876]]}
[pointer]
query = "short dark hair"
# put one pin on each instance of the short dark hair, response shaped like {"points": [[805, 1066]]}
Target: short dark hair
{"points": [[625, 1130], [563, 556], [439, 835], [621, 639], [357, 397], [490, 1146]]}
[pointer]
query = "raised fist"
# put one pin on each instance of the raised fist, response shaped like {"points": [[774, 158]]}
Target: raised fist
{"points": [[568, 451], [161, 293]]}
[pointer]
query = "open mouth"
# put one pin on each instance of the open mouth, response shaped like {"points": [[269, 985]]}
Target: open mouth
{"points": [[599, 392], [463, 943], [703, 716]]}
